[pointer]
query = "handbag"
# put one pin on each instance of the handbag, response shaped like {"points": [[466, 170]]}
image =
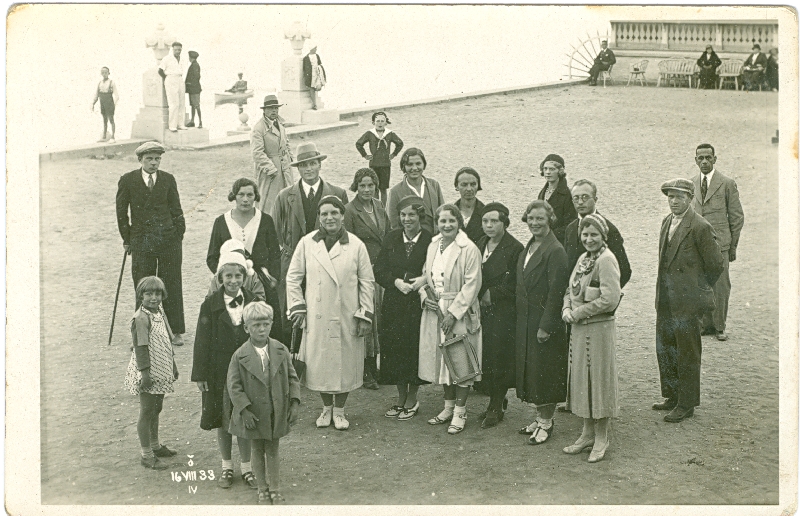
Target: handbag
{"points": [[299, 365], [459, 356]]}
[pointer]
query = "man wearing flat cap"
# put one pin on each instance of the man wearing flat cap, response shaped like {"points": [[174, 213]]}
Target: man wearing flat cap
{"points": [[272, 157], [753, 70], [295, 208], [689, 263], [153, 233], [603, 61], [193, 88]]}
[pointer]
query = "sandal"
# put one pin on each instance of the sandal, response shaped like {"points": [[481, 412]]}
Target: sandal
{"points": [[263, 498], [277, 498], [535, 439], [457, 425], [408, 413], [250, 480], [528, 430], [393, 412], [226, 478], [436, 420]]}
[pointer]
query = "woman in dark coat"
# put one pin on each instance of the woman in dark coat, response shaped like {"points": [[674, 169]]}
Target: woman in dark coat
{"points": [[542, 347], [708, 63], [256, 230], [557, 194], [365, 217], [398, 270], [772, 70], [500, 253], [468, 184]]}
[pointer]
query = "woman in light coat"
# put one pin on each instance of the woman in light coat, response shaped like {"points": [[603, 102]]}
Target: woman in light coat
{"points": [[592, 296], [336, 311], [453, 272]]}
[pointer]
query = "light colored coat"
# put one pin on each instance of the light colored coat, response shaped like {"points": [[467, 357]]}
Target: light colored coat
{"points": [[272, 160], [339, 291], [248, 389], [721, 208], [462, 283]]}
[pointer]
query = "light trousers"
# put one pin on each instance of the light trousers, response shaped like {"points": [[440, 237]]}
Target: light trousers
{"points": [[176, 100]]}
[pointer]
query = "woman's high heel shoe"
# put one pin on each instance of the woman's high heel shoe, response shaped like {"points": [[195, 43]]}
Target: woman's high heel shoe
{"points": [[579, 446], [598, 454]]}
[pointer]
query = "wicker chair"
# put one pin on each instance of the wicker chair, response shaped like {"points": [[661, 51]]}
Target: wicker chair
{"points": [[730, 69], [637, 71]]}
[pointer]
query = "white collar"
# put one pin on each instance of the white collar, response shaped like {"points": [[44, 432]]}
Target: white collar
{"points": [[421, 191], [228, 298], [709, 175], [415, 239], [386, 132], [146, 176], [307, 187]]}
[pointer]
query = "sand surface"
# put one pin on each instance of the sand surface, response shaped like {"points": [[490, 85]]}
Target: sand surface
{"points": [[628, 140]]}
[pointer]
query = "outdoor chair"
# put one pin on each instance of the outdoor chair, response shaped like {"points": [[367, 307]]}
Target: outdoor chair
{"points": [[730, 69], [666, 70], [637, 71], [606, 75]]}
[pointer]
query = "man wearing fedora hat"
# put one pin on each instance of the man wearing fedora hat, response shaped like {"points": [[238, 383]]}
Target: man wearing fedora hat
{"points": [[753, 71], [295, 208], [603, 61], [689, 263], [153, 234], [271, 154]]}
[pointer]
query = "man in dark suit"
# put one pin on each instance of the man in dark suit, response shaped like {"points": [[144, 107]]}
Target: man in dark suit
{"points": [[689, 262], [295, 209], [716, 198], [604, 60], [753, 71], [153, 234], [584, 197]]}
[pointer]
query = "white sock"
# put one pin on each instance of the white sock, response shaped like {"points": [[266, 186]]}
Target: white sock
{"points": [[327, 408], [338, 411], [460, 411], [246, 468], [449, 404], [227, 464]]}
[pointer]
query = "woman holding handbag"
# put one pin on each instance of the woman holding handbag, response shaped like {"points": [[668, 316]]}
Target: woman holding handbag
{"points": [[589, 304]]}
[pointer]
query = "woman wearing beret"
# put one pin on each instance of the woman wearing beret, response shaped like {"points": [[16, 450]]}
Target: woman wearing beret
{"points": [[541, 344], [398, 270], [592, 296], [557, 194], [334, 309], [413, 164], [365, 217], [256, 230], [468, 183], [453, 277], [500, 252]]}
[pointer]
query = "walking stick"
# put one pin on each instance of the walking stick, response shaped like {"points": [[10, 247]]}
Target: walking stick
{"points": [[116, 297]]}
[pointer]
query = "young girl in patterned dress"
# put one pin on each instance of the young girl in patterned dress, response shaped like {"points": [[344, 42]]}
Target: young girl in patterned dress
{"points": [[152, 369]]}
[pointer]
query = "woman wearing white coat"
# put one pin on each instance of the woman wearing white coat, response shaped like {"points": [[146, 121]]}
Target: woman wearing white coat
{"points": [[336, 311]]}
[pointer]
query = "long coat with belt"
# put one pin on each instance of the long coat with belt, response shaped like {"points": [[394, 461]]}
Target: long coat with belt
{"points": [[359, 222], [561, 202], [432, 199], [542, 367], [266, 393], [339, 290], [215, 341], [499, 273], [271, 160], [462, 282]]}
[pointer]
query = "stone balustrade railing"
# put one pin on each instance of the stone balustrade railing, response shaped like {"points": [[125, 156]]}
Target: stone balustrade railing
{"points": [[723, 35]]}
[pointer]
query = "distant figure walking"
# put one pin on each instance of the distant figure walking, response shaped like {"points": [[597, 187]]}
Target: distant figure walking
{"points": [[380, 139], [239, 86], [193, 88], [604, 61], [708, 64], [171, 71], [108, 95], [313, 74]]}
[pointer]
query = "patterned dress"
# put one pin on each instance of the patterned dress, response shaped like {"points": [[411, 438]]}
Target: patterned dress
{"points": [[161, 358]]}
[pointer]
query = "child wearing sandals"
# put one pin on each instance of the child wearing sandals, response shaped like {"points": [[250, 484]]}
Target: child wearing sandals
{"points": [[151, 369], [220, 332], [265, 393]]}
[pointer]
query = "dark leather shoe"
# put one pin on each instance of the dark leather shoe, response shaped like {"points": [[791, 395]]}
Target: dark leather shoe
{"points": [[153, 463], [492, 418], [709, 330], [678, 414], [164, 452], [721, 336], [668, 404]]}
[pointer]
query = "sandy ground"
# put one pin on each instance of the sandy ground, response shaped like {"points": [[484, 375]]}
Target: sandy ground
{"points": [[628, 140]]}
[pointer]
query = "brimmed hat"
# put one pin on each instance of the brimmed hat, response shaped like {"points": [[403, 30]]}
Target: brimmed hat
{"points": [[306, 152], [271, 101], [680, 185], [756, 45], [149, 147]]}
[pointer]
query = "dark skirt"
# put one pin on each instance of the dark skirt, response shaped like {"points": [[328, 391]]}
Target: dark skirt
{"points": [[498, 364], [399, 337], [543, 378]]}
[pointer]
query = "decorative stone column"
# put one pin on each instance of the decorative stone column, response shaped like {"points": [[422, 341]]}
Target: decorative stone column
{"points": [[294, 93]]}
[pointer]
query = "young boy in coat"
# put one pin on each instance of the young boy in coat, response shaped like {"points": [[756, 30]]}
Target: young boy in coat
{"points": [[265, 393]]}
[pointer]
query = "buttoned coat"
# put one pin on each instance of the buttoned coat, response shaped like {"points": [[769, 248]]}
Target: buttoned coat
{"points": [[561, 202], [689, 265], [541, 366], [574, 248], [462, 280], [432, 199], [359, 222], [721, 208], [267, 394], [474, 228], [272, 160], [290, 219], [156, 219], [339, 291]]}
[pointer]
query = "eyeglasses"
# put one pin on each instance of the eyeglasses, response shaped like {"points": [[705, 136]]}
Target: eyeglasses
{"points": [[581, 198]]}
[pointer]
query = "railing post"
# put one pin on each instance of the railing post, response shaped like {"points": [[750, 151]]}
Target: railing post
{"points": [[613, 37], [718, 37], [664, 36]]}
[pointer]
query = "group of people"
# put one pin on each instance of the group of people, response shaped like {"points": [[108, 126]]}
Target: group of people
{"points": [[172, 71], [759, 70], [345, 282]]}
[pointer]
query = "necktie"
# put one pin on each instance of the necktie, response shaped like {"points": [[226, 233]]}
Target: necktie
{"points": [[704, 188], [236, 301], [409, 248], [311, 193], [275, 124], [150, 182]]}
